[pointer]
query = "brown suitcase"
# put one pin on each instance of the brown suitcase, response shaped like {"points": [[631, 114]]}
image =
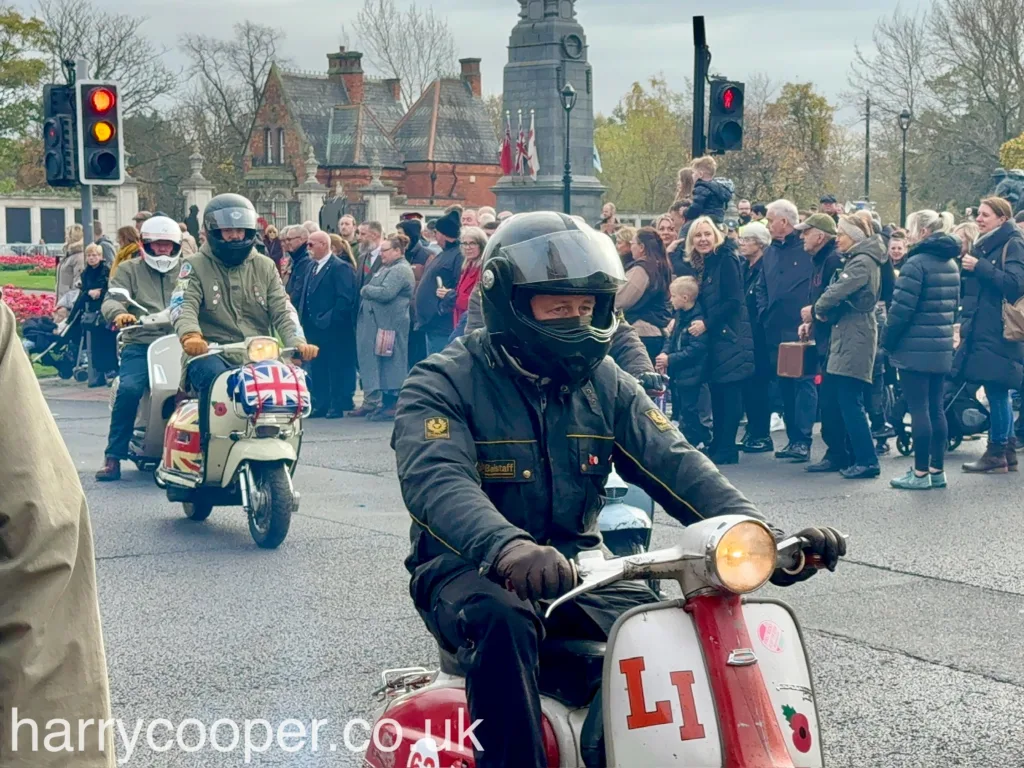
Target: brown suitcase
{"points": [[797, 359]]}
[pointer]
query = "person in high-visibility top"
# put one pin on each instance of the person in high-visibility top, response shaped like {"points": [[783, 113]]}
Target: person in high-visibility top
{"points": [[229, 292]]}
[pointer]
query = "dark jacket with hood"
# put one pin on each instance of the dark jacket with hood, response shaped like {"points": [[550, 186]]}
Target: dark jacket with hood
{"points": [[730, 338], [687, 354], [434, 315], [784, 289], [849, 305], [710, 198], [984, 356], [918, 333], [475, 477]]}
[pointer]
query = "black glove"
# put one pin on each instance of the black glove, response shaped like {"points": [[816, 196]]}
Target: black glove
{"points": [[653, 382], [534, 572], [825, 543]]}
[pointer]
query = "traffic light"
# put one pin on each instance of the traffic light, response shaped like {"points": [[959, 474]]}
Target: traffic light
{"points": [[100, 139], [725, 124], [59, 136]]}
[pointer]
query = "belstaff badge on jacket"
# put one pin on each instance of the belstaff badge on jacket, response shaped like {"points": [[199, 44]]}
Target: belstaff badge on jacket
{"points": [[436, 428]]}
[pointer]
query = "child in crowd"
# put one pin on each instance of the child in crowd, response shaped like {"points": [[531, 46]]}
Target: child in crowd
{"points": [[683, 360], [711, 196]]}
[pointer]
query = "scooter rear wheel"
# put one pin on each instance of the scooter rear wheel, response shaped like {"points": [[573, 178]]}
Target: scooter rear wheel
{"points": [[271, 502], [197, 510]]}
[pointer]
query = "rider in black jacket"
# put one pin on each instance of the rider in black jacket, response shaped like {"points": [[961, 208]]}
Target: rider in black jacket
{"points": [[504, 441]]}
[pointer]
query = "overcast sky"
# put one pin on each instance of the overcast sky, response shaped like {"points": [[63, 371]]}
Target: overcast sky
{"points": [[792, 40]]}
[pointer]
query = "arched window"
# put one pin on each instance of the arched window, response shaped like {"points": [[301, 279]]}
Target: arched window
{"points": [[268, 147], [280, 146]]}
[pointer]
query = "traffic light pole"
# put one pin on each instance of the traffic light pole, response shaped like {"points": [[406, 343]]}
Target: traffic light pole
{"points": [[701, 59], [81, 71]]}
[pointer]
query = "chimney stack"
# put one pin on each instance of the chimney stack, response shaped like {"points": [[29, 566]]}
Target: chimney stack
{"points": [[346, 67], [471, 75], [395, 86]]}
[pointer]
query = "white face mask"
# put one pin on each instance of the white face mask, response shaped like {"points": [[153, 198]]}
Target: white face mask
{"points": [[162, 264]]}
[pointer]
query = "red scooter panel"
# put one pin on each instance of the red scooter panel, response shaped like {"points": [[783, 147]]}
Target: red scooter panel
{"points": [[429, 729]]}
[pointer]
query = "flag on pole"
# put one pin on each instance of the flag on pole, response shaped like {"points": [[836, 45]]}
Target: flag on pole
{"points": [[531, 150], [506, 148], [521, 158], [597, 159]]}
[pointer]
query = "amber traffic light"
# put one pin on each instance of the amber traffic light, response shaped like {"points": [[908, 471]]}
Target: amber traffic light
{"points": [[100, 138]]}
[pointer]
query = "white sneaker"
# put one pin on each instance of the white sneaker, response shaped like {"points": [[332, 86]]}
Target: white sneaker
{"points": [[778, 425]]}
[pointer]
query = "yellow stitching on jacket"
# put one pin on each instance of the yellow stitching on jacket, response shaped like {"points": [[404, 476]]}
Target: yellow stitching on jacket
{"points": [[658, 481], [427, 528], [593, 437]]}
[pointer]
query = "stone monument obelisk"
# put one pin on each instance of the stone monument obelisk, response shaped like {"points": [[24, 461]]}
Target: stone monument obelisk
{"points": [[548, 48]]}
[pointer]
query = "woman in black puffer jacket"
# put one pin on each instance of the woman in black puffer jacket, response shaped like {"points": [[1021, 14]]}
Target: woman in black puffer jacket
{"points": [[713, 260], [984, 356], [918, 338]]}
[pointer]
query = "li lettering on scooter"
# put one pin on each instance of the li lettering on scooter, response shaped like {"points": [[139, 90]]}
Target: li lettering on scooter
{"points": [[533, 390], [237, 440]]}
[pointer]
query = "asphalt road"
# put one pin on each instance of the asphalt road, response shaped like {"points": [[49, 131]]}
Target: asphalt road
{"points": [[915, 642]]}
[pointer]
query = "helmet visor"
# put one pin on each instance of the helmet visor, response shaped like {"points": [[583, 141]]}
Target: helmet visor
{"points": [[571, 260], [231, 218]]}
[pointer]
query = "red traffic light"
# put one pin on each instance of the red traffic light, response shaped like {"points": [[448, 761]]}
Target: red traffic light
{"points": [[102, 99], [729, 97]]}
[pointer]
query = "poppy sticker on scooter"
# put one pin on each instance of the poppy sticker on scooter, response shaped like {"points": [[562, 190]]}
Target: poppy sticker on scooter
{"points": [[770, 634], [801, 728]]}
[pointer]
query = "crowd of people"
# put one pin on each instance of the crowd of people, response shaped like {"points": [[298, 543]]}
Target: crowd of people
{"points": [[887, 320]]}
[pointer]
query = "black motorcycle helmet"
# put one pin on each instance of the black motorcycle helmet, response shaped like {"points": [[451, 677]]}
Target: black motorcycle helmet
{"points": [[230, 211], [550, 253]]}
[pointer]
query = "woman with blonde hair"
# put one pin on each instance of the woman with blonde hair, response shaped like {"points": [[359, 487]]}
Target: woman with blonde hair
{"points": [[72, 260], [128, 247], [623, 244], [341, 248], [712, 259]]}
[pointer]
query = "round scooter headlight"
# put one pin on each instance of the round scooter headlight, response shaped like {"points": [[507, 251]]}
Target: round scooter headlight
{"points": [[744, 558], [263, 348]]}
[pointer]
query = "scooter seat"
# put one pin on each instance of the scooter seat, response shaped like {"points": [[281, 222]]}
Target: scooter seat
{"points": [[570, 670]]}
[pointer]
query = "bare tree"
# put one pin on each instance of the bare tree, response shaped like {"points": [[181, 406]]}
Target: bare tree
{"points": [[114, 45], [414, 46], [228, 76]]}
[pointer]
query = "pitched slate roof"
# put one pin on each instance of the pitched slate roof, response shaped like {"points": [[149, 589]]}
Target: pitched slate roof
{"points": [[355, 134], [311, 100], [447, 125]]}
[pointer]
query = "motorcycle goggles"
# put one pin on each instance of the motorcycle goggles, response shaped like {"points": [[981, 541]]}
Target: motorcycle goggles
{"points": [[231, 218]]}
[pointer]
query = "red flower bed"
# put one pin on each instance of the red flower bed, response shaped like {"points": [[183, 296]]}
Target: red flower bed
{"points": [[28, 262], [27, 305]]}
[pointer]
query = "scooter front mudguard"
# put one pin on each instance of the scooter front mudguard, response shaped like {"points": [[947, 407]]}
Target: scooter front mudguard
{"points": [[267, 450], [716, 682]]}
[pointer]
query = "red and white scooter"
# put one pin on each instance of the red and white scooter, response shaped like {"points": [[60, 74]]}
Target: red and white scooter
{"points": [[716, 678]]}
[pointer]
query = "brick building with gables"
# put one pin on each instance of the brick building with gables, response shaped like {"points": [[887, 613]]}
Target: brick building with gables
{"points": [[442, 151]]}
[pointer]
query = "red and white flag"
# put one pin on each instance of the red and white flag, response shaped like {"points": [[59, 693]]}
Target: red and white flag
{"points": [[506, 149], [521, 151], [532, 161]]}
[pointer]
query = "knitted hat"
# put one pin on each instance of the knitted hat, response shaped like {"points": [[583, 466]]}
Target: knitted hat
{"points": [[450, 225]]}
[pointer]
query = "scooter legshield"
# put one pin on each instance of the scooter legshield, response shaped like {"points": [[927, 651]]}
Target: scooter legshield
{"points": [[680, 690], [182, 453]]}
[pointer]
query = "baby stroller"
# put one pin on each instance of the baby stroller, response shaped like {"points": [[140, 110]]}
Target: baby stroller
{"points": [[965, 416], [63, 348]]}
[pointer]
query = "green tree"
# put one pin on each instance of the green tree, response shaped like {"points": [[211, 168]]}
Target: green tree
{"points": [[643, 144], [21, 75]]}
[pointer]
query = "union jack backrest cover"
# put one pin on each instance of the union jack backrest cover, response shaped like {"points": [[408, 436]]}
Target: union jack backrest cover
{"points": [[271, 387]]}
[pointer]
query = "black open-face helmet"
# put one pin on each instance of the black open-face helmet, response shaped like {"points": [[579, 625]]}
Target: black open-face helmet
{"points": [[230, 211], [550, 253]]}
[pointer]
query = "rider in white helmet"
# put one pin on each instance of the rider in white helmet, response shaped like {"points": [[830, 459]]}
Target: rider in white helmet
{"points": [[149, 282]]}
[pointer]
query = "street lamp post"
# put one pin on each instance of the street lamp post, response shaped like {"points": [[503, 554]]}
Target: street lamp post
{"points": [[568, 102], [904, 126]]}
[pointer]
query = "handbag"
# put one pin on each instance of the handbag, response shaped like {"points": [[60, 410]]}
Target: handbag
{"points": [[385, 344], [92, 319], [797, 359], [1013, 314]]}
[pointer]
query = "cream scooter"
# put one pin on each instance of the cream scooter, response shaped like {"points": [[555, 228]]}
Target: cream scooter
{"points": [[251, 449], [163, 363]]}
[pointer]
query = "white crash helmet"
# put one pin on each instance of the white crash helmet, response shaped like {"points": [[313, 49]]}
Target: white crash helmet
{"points": [[160, 228]]}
